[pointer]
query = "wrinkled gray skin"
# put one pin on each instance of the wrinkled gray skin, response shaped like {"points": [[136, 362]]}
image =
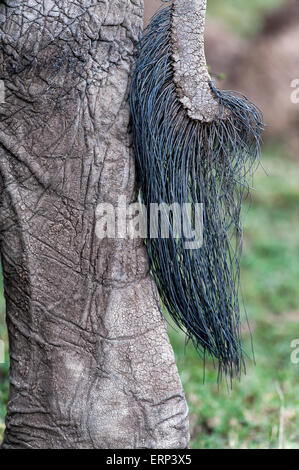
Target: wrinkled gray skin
{"points": [[91, 363]]}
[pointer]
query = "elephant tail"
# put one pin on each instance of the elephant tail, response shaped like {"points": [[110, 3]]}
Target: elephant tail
{"points": [[198, 153]]}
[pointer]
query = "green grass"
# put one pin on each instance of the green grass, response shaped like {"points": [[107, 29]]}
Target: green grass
{"points": [[242, 16], [250, 415]]}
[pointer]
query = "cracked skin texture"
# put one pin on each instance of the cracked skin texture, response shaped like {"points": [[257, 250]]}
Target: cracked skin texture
{"points": [[91, 363], [191, 74]]}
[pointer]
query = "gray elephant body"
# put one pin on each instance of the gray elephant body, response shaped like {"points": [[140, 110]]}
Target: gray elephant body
{"points": [[91, 363]]}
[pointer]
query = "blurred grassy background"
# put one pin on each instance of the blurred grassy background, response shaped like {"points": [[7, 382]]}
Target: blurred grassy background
{"points": [[262, 410], [242, 16]]}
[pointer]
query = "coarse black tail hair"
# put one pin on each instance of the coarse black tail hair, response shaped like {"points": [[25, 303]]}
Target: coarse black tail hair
{"points": [[183, 160]]}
